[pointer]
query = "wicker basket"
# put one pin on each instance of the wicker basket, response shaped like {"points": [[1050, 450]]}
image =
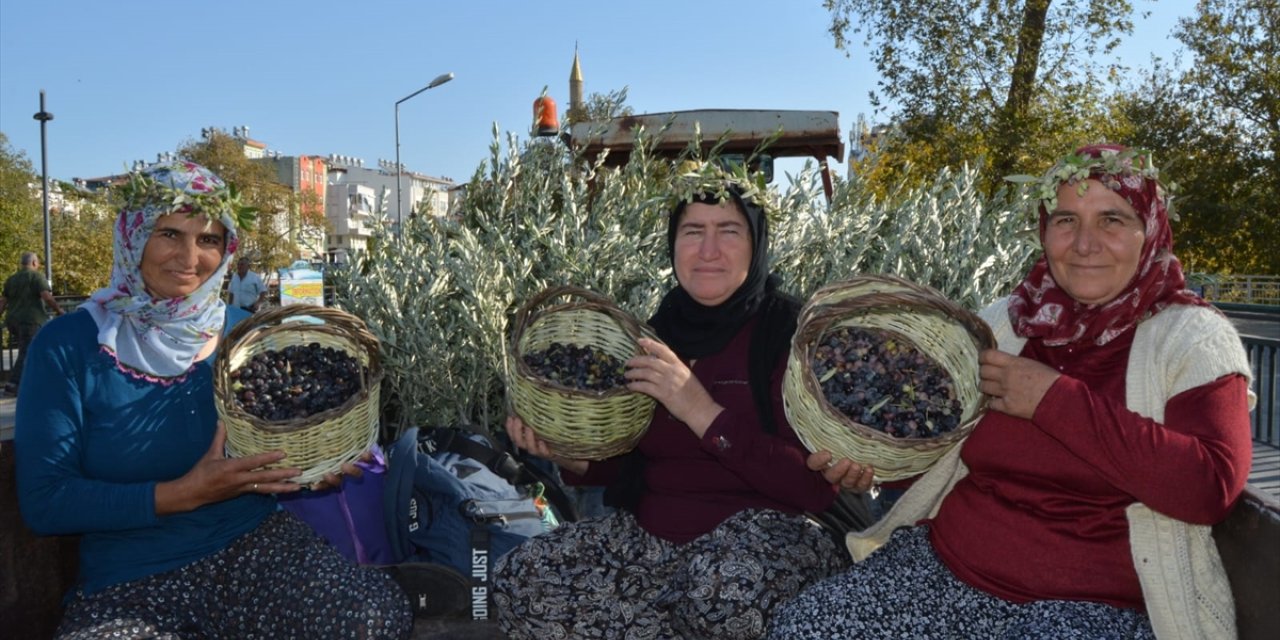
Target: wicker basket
{"points": [[577, 423], [318, 444], [947, 333]]}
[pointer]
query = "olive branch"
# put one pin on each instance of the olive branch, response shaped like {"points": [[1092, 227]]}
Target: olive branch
{"points": [[144, 190], [1076, 169]]}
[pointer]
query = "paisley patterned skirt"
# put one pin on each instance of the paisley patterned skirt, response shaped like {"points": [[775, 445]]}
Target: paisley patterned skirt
{"points": [[608, 578]]}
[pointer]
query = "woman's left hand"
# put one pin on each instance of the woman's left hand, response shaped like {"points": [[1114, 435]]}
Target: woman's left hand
{"points": [[662, 376], [334, 480], [1016, 385]]}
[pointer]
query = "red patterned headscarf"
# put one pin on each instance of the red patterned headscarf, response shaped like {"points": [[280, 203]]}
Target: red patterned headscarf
{"points": [[1039, 308]]}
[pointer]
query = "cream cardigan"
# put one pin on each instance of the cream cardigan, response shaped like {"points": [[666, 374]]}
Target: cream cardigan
{"points": [[1183, 582]]}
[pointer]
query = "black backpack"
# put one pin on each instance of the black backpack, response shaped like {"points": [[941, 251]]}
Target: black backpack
{"points": [[453, 498]]}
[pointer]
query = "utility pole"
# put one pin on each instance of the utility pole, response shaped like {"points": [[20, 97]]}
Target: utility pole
{"points": [[44, 117]]}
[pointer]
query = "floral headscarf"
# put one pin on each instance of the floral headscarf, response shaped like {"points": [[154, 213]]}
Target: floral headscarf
{"points": [[1039, 308], [158, 339]]}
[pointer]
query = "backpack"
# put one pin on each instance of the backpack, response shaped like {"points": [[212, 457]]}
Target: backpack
{"points": [[452, 498]]}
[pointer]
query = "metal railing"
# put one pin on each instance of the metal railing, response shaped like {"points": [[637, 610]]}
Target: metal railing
{"points": [[1266, 414], [1242, 289]]}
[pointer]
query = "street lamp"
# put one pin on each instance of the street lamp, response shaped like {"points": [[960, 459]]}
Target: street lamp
{"points": [[440, 79], [44, 117]]}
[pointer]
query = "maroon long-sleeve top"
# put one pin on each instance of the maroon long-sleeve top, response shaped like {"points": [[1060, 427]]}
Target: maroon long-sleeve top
{"points": [[1041, 514], [693, 484]]}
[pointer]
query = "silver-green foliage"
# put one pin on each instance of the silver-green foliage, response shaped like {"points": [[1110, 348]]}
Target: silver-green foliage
{"points": [[441, 299], [947, 235]]}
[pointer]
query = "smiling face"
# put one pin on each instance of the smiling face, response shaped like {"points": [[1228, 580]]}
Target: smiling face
{"points": [[712, 251], [181, 254], [1093, 242]]}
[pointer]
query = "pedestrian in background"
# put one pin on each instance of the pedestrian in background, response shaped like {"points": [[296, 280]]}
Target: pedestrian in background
{"points": [[25, 294], [247, 289]]}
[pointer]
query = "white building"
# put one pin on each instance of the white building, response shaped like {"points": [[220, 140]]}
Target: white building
{"points": [[351, 210], [418, 192]]}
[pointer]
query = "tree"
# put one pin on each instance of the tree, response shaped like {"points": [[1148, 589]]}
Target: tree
{"points": [[985, 79], [1213, 130], [269, 239], [20, 212], [600, 106], [85, 243], [1235, 83]]}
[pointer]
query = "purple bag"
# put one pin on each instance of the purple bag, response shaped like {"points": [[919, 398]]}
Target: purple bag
{"points": [[349, 517]]}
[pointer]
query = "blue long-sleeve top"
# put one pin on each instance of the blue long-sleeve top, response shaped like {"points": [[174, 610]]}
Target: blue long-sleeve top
{"points": [[91, 443]]}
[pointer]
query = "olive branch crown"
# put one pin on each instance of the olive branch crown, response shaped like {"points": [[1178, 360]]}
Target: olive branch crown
{"points": [[694, 179], [144, 190], [1077, 168]]}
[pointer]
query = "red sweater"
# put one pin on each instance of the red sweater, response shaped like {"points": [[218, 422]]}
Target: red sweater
{"points": [[692, 484], [1040, 516]]}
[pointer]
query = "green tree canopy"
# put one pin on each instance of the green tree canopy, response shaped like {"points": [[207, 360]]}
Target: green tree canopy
{"points": [[84, 243], [1214, 130], [269, 239], [20, 212], [994, 81]]}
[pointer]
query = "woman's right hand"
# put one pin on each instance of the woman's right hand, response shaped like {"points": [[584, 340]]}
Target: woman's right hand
{"points": [[215, 478], [523, 437], [845, 473]]}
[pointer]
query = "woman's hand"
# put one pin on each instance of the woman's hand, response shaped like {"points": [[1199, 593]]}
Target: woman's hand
{"points": [[1016, 385], [334, 480], [215, 478], [662, 376], [523, 437], [846, 473]]}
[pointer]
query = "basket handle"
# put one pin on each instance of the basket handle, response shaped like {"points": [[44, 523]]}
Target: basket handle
{"points": [[524, 313]]}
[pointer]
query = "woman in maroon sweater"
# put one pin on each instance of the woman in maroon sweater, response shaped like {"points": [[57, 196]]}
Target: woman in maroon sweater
{"points": [[1118, 429], [712, 533]]}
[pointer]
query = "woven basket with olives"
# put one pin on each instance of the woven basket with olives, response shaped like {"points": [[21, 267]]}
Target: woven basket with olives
{"points": [[302, 379], [565, 362], [884, 371]]}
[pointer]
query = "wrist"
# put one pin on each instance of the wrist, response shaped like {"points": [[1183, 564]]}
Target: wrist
{"points": [[171, 497]]}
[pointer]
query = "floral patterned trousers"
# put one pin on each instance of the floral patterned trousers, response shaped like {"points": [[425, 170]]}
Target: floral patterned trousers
{"points": [[608, 578], [904, 591], [278, 581]]}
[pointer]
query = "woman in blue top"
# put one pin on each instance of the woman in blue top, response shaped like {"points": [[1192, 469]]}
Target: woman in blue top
{"points": [[117, 439]]}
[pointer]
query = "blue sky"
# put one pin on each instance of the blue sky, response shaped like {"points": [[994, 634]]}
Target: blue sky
{"points": [[126, 80]]}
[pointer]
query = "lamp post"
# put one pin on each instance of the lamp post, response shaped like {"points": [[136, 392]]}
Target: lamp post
{"points": [[440, 79], [44, 117]]}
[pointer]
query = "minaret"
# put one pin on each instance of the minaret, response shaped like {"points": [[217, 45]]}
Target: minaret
{"points": [[576, 105]]}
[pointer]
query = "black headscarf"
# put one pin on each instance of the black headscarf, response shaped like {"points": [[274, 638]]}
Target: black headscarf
{"points": [[694, 330]]}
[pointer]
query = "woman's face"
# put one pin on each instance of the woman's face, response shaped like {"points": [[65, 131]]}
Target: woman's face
{"points": [[1093, 242], [712, 251], [181, 254]]}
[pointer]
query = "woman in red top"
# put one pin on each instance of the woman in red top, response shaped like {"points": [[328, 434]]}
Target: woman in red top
{"points": [[1118, 430], [714, 537]]}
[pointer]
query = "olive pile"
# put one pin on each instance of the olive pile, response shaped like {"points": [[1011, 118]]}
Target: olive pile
{"points": [[295, 382], [577, 367], [880, 381]]}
